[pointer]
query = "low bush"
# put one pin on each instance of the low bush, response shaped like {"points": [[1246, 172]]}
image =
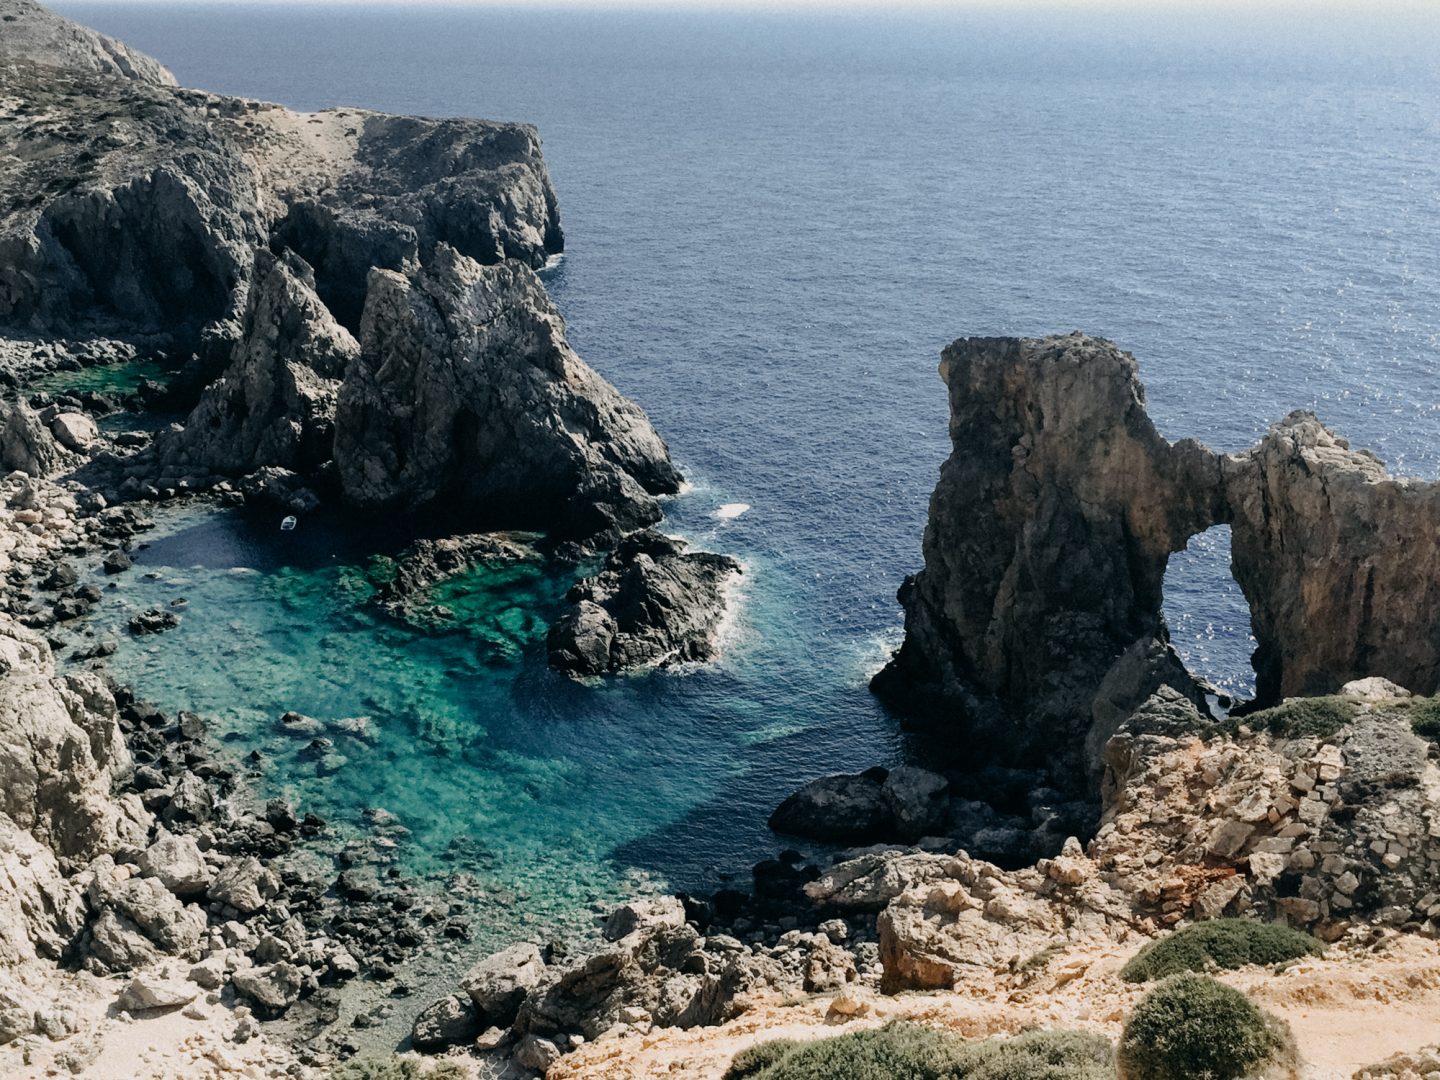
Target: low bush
{"points": [[756, 1059], [1191, 1027], [907, 1051], [1220, 943], [1425, 718], [1300, 717]]}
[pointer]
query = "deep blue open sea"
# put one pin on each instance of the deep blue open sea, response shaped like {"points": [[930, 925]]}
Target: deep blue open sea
{"points": [[774, 224]]}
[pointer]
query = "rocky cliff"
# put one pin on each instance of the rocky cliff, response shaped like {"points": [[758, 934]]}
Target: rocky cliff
{"points": [[466, 394], [1035, 626], [29, 34], [135, 208]]}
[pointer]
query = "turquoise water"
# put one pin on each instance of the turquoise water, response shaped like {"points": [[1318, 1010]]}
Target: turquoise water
{"points": [[552, 795], [119, 379], [774, 224]]}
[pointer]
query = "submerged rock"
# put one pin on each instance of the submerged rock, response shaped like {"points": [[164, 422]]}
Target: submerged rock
{"points": [[426, 563], [652, 604]]}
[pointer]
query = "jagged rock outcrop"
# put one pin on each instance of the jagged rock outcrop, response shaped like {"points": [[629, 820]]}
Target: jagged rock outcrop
{"points": [[136, 208], [428, 562], [275, 404], [1322, 831], [31, 34], [1339, 560], [481, 188], [653, 603], [467, 400], [61, 752], [1046, 546], [1035, 627]]}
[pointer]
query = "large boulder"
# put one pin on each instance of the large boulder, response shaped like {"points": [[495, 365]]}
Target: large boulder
{"points": [[176, 861], [497, 985], [450, 1021], [245, 884], [652, 604], [61, 752], [840, 809], [467, 400]]}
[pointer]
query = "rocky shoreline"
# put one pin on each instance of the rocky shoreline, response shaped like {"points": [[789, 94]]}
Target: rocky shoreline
{"points": [[350, 304]]}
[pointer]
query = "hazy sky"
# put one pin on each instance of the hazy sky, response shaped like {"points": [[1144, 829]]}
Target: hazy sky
{"points": [[1314, 8]]}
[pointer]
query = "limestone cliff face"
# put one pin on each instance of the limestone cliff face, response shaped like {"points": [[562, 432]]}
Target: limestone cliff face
{"points": [[1339, 560], [31, 34], [1035, 626], [1046, 547], [61, 751], [275, 404], [136, 208], [467, 398]]}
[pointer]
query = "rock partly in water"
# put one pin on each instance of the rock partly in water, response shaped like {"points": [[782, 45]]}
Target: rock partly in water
{"points": [[653, 603], [1035, 627], [467, 401]]}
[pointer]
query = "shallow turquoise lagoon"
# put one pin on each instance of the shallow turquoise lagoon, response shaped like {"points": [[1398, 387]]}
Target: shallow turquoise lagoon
{"points": [[545, 795]]}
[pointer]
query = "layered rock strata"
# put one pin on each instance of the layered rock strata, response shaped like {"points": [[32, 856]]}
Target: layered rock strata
{"points": [[1036, 626]]}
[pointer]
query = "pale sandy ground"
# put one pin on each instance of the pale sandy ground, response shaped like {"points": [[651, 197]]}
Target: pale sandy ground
{"points": [[1356, 1007], [1347, 1011], [190, 1043]]}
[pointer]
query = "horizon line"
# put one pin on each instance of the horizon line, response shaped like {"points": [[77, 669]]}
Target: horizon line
{"points": [[1378, 8]]}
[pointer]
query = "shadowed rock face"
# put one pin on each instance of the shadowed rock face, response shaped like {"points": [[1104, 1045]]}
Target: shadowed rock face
{"points": [[275, 405], [467, 399], [1036, 627], [1046, 546], [134, 208]]}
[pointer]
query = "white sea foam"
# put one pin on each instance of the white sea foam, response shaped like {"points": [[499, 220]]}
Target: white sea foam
{"points": [[731, 510]]}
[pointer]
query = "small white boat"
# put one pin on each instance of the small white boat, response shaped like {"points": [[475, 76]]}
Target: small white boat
{"points": [[288, 525]]}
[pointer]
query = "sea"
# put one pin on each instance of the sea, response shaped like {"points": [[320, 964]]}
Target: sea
{"points": [[774, 223]]}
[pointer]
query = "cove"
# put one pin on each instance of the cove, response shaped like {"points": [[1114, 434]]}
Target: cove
{"points": [[532, 796]]}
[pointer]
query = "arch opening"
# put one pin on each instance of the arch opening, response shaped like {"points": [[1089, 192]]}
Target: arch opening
{"points": [[1207, 614]]}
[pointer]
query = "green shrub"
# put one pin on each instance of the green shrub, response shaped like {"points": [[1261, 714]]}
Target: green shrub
{"points": [[1221, 943], [1425, 718], [907, 1051], [756, 1059], [1299, 717], [1042, 1055], [1191, 1027]]}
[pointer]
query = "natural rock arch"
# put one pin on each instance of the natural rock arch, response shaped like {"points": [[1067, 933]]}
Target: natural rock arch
{"points": [[1036, 624]]}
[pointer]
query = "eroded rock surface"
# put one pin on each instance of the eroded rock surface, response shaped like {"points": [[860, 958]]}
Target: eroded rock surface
{"points": [[31, 34], [275, 404], [1035, 627], [653, 603], [1339, 560], [467, 398]]}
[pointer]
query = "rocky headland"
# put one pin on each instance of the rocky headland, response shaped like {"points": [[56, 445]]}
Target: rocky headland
{"points": [[349, 306]]}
